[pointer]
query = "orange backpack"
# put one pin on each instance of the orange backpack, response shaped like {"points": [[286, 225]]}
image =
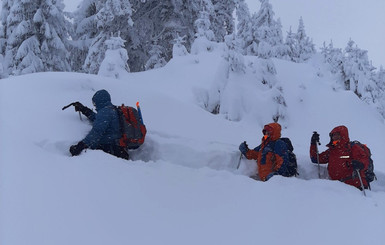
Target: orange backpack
{"points": [[131, 126]]}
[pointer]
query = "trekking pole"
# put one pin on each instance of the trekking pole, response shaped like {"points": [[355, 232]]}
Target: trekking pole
{"points": [[316, 148], [362, 184], [239, 162], [240, 157]]}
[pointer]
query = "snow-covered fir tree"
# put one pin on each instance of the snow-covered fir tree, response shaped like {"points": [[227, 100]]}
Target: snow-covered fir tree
{"points": [[156, 59], [358, 75], [267, 33], [35, 36], [85, 31], [244, 27], [114, 16], [291, 44], [115, 59], [305, 46], [234, 55], [333, 57], [160, 22], [204, 35], [178, 48], [222, 19]]}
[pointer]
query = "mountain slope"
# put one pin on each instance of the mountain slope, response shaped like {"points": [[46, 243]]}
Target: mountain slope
{"points": [[182, 186]]}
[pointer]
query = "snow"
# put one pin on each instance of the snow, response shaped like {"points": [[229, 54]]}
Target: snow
{"points": [[182, 186]]}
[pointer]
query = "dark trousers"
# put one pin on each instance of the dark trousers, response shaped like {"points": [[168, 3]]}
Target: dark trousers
{"points": [[115, 150]]}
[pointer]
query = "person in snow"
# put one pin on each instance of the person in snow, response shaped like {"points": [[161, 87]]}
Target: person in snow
{"points": [[343, 158], [105, 132], [271, 154]]}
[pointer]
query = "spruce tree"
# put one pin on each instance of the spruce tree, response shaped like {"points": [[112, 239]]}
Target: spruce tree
{"points": [[156, 59], [222, 18], [113, 17], [35, 35], [244, 27], [267, 33], [115, 59], [305, 47]]}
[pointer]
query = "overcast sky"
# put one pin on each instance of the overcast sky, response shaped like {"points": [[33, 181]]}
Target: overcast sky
{"points": [[337, 20]]}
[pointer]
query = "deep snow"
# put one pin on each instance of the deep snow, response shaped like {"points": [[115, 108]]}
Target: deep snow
{"points": [[182, 186]]}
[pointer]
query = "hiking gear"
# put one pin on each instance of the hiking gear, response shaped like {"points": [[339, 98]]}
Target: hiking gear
{"points": [[132, 130], [340, 168], [78, 148], [357, 165], [78, 106], [314, 141], [291, 164], [315, 138], [239, 161], [73, 104], [270, 154], [362, 185], [139, 112], [369, 174], [105, 123], [243, 148]]}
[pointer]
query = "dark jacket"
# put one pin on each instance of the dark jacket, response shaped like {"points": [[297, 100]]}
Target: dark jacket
{"points": [[105, 123], [340, 156]]}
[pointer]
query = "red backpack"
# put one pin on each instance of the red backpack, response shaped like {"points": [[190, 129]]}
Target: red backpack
{"points": [[131, 126]]}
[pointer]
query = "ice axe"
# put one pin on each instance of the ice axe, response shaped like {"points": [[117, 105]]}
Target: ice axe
{"points": [[72, 104]]}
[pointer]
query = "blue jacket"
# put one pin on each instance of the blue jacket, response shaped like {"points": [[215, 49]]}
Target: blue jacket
{"points": [[105, 123]]}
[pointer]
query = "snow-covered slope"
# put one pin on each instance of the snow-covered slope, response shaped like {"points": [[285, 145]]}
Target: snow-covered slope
{"points": [[182, 186]]}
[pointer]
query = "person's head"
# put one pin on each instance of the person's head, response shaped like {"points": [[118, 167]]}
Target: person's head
{"points": [[101, 99], [272, 131], [339, 135]]}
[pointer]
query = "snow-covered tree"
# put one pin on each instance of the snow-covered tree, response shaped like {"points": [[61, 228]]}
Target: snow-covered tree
{"points": [[204, 35], [156, 59], [244, 27], [356, 68], [115, 60], [113, 16], [267, 33], [178, 48], [35, 35], [305, 46], [160, 22], [234, 55], [333, 57], [85, 31], [222, 18]]}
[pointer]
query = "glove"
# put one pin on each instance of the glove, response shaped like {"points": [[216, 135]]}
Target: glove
{"points": [[75, 150], [357, 165], [314, 138], [83, 109], [243, 148], [78, 106]]}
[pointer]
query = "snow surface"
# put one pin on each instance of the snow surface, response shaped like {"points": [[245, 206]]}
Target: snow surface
{"points": [[182, 186]]}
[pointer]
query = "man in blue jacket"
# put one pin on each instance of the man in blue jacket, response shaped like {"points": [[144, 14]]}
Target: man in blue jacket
{"points": [[105, 132]]}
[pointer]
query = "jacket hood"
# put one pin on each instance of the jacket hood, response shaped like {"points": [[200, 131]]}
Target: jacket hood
{"points": [[343, 131], [274, 129], [101, 99]]}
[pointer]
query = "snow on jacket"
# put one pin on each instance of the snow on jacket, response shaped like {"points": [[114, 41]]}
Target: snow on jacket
{"points": [[105, 123], [340, 156], [270, 154]]}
